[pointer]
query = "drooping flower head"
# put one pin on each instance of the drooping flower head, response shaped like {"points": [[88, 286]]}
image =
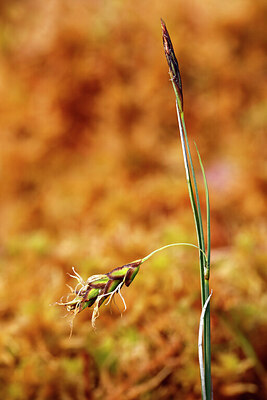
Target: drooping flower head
{"points": [[99, 289]]}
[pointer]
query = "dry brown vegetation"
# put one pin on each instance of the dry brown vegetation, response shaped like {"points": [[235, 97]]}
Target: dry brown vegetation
{"points": [[92, 176]]}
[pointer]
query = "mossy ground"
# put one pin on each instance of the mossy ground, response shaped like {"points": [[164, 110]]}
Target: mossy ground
{"points": [[92, 177]]}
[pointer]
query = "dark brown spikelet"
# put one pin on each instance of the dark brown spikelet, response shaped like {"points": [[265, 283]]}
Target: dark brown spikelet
{"points": [[172, 62], [99, 288]]}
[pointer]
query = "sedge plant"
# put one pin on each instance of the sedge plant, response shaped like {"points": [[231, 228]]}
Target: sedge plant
{"points": [[101, 288], [204, 262]]}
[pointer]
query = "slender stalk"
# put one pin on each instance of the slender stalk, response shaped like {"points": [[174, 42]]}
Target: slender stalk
{"points": [[204, 278], [207, 275], [193, 204], [170, 245], [207, 204], [200, 350], [202, 241], [200, 237], [204, 262], [207, 346]]}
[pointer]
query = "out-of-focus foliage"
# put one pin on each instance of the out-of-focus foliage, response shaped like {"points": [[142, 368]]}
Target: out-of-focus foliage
{"points": [[92, 176]]}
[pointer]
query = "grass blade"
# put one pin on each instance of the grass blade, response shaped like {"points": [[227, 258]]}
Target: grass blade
{"points": [[207, 204], [202, 241], [193, 203]]}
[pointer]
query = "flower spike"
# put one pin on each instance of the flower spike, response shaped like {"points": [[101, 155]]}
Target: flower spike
{"points": [[173, 64]]}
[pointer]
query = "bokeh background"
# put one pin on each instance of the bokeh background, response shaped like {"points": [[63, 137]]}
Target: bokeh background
{"points": [[92, 177]]}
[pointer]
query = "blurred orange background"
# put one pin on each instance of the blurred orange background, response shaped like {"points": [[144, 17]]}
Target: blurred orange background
{"points": [[92, 176]]}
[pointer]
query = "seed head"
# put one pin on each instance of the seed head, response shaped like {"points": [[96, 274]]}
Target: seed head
{"points": [[172, 62], [99, 288]]}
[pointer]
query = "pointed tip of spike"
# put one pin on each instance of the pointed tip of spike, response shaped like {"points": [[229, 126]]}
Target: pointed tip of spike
{"points": [[173, 64]]}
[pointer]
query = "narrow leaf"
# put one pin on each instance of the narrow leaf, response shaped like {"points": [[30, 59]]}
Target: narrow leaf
{"points": [[207, 204]]}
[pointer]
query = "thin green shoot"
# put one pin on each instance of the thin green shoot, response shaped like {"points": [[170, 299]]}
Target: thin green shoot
{"points": [[193, 203], [200, 227], [207, 204], [172, 245], [207, 274], [194, 198], [200, 349]]}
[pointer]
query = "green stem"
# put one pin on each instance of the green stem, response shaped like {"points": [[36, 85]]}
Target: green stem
{"points": [[200, 238], [207, 204], [194, 207], [170, 245], [202, 241], [200, 351], [207, 274], [207, 345]]}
